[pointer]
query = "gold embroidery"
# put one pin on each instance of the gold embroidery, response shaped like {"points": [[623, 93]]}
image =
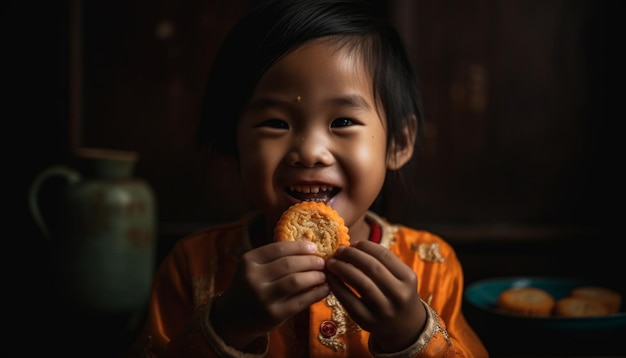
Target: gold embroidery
{"points": [[388, 238], [202, 290], [343, 322], [438, 326], [428, 252]]}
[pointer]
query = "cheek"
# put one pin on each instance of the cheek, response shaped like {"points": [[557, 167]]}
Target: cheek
{"points": [[368, 162], [365, 169], [372, 152], [257, 164]]}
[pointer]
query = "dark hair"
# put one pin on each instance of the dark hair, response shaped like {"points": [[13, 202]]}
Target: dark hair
{"points": [[276, 27]]}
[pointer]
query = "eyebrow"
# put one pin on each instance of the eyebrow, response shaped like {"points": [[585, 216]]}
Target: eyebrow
{"points": [[353, 100]]}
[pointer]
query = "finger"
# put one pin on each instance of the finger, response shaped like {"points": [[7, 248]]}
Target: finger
{"points": [[361, 283], [399, 290], [260, 277], [383, 267], [353, 263], [276, 250], [296, 283], [383, 291], [394, 265], [286, 308], [287, 265], [286, 276], [349, 300]]}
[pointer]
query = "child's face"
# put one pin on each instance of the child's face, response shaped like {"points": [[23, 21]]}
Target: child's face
{"points": [[312, 130]]}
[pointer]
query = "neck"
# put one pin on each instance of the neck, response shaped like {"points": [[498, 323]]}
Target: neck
{"points": [[360, 230]]}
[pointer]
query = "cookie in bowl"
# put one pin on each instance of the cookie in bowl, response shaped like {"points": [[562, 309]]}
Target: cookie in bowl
{"points": [[526, 301]]}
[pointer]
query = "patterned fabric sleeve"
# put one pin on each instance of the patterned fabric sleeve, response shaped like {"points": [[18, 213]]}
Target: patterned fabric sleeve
{"points": [[182, 292]]}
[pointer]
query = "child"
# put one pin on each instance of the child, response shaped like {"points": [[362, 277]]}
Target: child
{"points": [[314, 100]]}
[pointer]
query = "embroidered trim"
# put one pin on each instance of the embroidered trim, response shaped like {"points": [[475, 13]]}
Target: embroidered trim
{"points": [[388, 235], [203, 288], [437, 326], [344, 325], [428, 252], [433, 325]]}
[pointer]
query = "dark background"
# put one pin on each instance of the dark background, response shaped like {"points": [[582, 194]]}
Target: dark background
{"points": [[517, 170]]}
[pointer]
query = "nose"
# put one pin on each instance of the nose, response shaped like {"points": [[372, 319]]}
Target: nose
{"points": [[310, 150]]}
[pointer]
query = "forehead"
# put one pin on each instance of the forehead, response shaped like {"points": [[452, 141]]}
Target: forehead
{"points": [[317, 69], [345, 50]]}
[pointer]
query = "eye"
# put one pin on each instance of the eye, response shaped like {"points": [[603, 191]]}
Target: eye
{"points": [[342, 122], [274, 123]]}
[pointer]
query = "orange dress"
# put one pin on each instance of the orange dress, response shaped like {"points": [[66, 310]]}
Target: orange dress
{"points": [[202, 265]]}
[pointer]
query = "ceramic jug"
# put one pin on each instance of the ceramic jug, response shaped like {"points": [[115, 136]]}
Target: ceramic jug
{"points": [[105, 248]]}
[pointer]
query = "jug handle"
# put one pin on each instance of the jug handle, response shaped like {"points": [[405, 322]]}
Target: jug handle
{"points": [[70, 175]]}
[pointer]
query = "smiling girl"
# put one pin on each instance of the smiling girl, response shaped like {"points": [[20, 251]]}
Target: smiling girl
{"points": [[314, 100]]}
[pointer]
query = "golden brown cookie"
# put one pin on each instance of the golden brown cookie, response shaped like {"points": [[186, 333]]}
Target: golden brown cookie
{"points": [[526, 301], [611, 299], [315, 222], [579, 307]]}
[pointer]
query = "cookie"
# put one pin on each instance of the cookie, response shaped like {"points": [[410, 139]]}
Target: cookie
{"points": [[579, 307], [611, 299], [316, 222], [526, 301]]}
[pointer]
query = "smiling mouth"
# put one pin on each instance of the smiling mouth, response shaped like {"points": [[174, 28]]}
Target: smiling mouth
{"points": [[319, 193]]}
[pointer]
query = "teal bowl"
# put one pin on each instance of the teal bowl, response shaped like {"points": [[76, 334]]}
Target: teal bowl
{"points": [[505, 334]]}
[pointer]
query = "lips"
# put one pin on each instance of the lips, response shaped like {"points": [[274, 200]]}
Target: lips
{"points": [[313, 192]]}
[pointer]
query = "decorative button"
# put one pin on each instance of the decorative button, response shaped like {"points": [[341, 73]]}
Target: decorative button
{"points": [[328, 329]]}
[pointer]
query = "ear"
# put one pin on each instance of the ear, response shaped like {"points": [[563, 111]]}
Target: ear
{"points": [[402, 151]]}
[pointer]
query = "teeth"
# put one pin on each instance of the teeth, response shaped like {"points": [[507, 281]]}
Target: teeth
{"points": [[310, 189], [322, 200]]}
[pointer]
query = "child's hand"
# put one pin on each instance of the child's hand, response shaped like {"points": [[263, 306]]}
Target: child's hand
{"points": [[272, 283], [379, 292]]}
